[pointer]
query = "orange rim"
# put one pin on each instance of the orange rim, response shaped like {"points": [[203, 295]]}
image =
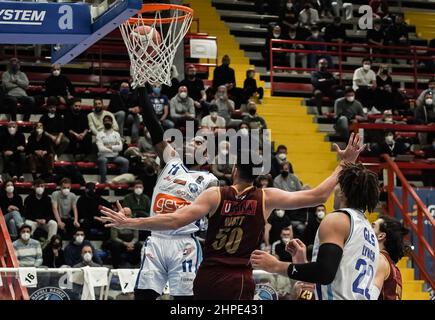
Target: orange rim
{"points": [[152, 7]]}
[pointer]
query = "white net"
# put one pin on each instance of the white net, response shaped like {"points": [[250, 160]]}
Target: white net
{"points": [[153, 42]]}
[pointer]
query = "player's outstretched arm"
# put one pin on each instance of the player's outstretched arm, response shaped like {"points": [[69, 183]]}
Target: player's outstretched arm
{"points": [[279, 199], [206, 203], [333, 233], [164, 149]]}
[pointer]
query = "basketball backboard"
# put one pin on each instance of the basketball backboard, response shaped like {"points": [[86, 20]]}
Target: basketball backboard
{"points": [[69, 27]]}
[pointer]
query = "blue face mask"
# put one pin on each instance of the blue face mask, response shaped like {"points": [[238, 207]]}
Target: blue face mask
{"points": [[157, 90], [124, 91]]}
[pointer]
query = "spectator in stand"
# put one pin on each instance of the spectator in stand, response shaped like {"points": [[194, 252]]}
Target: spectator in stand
{"points": [[196, 89], [87, 256], [364, 83], [38, 210], [379, 7], [39, 151], [430, 88], [77, 129], [397, 35], [13, 144], [58, 85], [225, 106], [425, 113], [313, 224], [384, 89], [383, 77], [324, 84], [15, 84], [160, 104], [294, 34], [53, 255], [124, 246], [137, 201], [347, 110], [145, 145], [223, 164], [11, 205], [290, 12], [391, 146], [253, 119], [73, 251], [64, 204], [376, 37], [171, 91], [95, 119], [250, 87], [287, 181], [264, 181], [278, 159], [277, 221], [109, 145], [278, 57], [224, 74], [28, 251], [182, 108], [122, 105], [213, 122], [54, 126], [335, 31], [314, 57], [88, 207], [308, 16], [278, 247]]}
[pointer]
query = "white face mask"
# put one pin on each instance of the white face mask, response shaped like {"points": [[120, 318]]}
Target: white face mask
{"points": [[56, 73], [286, 240], [39, 131], [320, 214], [25, 236], [224, 152], [276, 35], [282, 156], [138, 191], [183, 95], [39, 190], [12, 130], [289, 5], [10, 189], [428, 101], [51, 115], [66, 191], [213, 114], [350, 99], [244, 131], [79, 239], [87, 257], [315, 34], [389, 139], [388, 120], [366, 67], [280, 213]]}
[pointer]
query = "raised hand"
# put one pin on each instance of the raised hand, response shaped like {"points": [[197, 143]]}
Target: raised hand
{"points": [[111, 218], [353, 149], [298, 251]]}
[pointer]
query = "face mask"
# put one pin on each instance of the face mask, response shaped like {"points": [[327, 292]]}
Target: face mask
{"points": [[315, 34], [388, 120], [366, 67], [428, 101], [280, 213], [286, 240], [66, 191], [79, 239], [221, 96], [10, 189], [244, 131], [39, 191], [39, 131], [289, 5], [25, 236], [12, 130], [98, 109], [51, 115], [284, 174], [213, 114], [276, 35], [183, 95], [320, 214], [389, 139], [157, 90], [224, 152], [282, 156], [124, 91], [87, 257], [350, 99], [138, 191], [252, 111], [292, 36], [107, 125], [56, 73]]}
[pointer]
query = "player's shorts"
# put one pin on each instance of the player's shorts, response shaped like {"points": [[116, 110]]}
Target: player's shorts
{"points": [[169, 258], [224, 283]]}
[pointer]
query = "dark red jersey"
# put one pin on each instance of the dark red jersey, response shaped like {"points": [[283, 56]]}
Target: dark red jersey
{"points": [[392, 288], [236, 229]]}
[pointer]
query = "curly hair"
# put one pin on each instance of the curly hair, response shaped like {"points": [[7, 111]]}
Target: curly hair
{"points": [[395, 232]]}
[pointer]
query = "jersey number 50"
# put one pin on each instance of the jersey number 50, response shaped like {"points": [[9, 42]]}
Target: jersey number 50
{"points": [[365, 271], [230, 238]]}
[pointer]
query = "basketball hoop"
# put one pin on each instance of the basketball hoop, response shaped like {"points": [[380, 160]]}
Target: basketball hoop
{"points": [[152, 38]]}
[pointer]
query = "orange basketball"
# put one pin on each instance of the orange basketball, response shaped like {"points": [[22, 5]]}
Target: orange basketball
{"points": [[146, 35]]}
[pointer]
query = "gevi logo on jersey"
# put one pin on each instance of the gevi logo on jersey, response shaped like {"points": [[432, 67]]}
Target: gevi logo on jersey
{"points": [[165, 203]]}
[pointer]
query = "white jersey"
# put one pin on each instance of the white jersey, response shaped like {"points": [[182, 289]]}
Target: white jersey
{"points": [[177, 187], [358, 265]]}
